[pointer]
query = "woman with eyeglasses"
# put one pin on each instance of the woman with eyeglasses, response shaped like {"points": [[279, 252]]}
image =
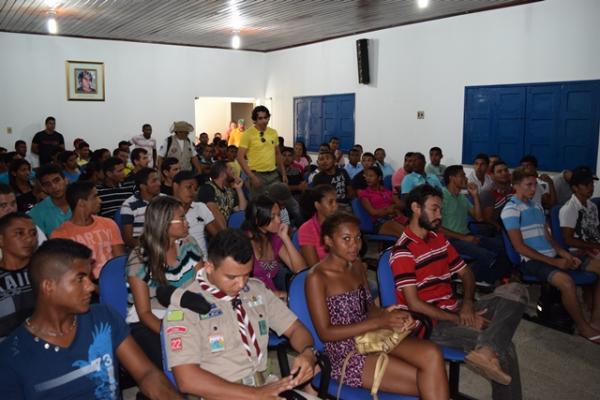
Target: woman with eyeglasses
{"points": [[166, 255]]}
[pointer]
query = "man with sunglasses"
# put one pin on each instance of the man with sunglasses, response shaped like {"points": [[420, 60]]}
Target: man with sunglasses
{"points": [[260, 145]]}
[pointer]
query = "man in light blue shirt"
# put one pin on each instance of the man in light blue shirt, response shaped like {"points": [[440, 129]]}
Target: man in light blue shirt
{"points": [[418, 176], [54, 210], [386, 168], [353, 167]]}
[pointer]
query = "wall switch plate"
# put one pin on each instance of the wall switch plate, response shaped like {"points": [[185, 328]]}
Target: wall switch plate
{"points": [[8, 130], [420, 114]]}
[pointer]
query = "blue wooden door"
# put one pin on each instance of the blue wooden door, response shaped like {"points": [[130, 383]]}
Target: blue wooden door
{"points": [[541, 125], [508, 127], [477, 137], [301, 108]]}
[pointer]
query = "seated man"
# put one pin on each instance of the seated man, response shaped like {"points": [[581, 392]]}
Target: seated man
{"points": [[8, 204], [541, 256], [562, 186], [100, 234], [18, 240], [359, 182], [545, 194], [198, 215], [354, 166], [478, 174], [497, 195], [296, 182], [220, 198], [422, 262], [54, 210], [435, 167], [386, 168], [490, 262], [418, 176], [168, 169], [67, 349], [139, 160], [134, 207], [232, 161], [400, 173], [213, 355], [113, 191], [332, 175]]}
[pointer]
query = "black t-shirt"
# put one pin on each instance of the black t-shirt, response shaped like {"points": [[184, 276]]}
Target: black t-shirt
{"points": [[359, 182], [16, 299], [339, 181], [47, 143], [166, 190]]}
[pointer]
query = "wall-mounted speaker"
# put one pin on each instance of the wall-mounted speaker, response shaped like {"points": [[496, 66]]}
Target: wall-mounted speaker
{"points": [[362, 60]]}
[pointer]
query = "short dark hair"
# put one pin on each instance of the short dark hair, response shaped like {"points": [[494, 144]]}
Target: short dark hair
{"points": [[368, 154], [232, 243], [379, 149], [146, 126], [408, 154], [287, 150], [435, 148], [124, 143], [334, 138], [19, 142], [497, 163], [110, 164], [137, 153], [5, 189], [48, 119], [354, 150], [117, 151], [216, 169], [451, 171], [336, 219], [64, 156], [529, 158], [419, 195], [48, 169], [482, 156], [82, 144], [53, 258], [184, 176], [79, 190], [420, 156], [519, 174], [7, 219], [167, 163], [141, 177], [232, 146], [258, 109]]}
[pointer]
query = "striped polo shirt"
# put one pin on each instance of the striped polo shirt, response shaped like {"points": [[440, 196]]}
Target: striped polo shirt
{"points": [[112, 198], [529, 218], [133, 211], [427, 264]]}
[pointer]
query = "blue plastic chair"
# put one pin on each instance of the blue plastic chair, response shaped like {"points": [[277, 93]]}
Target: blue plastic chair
{"points": [[165, 364], [387, 182], [296, 241], [113, 284], [235, 219], [118, 220], [366, 224], [387, 296], [326, 385], [555, 226]]}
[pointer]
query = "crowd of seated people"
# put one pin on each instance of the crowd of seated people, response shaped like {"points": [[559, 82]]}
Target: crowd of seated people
{"points": [[168, 210]]}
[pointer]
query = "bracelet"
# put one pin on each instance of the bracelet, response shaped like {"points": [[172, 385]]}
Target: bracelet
{"points": [[312, 349]]}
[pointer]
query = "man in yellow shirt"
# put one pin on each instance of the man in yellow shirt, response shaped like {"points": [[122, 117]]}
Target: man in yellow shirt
{"points": [[236, 134], [260, 144]]}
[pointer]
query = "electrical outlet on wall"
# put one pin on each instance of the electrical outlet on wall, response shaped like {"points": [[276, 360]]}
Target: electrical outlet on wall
{"points": [[420, 114], [8, 130]]}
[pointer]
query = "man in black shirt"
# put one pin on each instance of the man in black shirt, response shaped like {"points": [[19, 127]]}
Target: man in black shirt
{"points": [[46, 142], [359, 182], [337, 177], [113, 191], [18, 240], [168, 169]]}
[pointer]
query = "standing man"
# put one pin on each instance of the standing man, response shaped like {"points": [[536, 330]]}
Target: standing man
{"points": [[261, 145], [223, 354], [54, 210], [145, 141], [46, 142], [180, 147]]}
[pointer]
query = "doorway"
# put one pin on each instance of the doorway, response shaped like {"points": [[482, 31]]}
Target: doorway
{"points": [[214, 114]]}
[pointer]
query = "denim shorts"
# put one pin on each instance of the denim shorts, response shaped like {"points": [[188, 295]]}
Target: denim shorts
{"points": [[545, 271]]}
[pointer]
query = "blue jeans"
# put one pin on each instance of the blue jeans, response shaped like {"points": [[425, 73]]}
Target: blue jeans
{"points": [[489, 259]]}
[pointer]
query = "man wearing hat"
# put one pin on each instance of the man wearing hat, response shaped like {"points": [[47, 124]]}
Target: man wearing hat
{"points": [[179, 146], [236, 134]]}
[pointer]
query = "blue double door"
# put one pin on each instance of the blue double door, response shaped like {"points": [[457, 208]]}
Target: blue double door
{"points": [[557, 122], [319, 118]]}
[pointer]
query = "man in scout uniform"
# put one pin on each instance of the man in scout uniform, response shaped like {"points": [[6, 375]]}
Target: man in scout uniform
{"points": [[261, 145], [224, 353], [180, 147]]}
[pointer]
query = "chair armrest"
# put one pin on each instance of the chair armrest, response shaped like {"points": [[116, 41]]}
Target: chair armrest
{"points": [[325, 365]]}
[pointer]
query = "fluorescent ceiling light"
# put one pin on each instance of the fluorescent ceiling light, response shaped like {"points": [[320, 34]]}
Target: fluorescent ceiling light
{"points": [[52, 3], [52, 25], [235, 41], [422, 3]]}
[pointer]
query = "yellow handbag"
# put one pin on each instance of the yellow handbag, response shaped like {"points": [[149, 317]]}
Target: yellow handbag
{"points": [[380, 341]]}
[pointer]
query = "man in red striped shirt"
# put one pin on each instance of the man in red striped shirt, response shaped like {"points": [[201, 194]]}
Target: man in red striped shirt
{"points": [[423, 262]]}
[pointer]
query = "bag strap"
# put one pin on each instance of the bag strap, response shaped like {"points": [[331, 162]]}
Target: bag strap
{"points": [[343, 372], [380, 367]]}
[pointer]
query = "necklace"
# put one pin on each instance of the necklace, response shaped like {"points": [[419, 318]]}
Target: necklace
{"points": [[35, 329]]}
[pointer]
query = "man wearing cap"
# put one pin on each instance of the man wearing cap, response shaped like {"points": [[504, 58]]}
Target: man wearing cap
{"points": [[223, 353], [261, 145], [179, 146], [236, 134]]}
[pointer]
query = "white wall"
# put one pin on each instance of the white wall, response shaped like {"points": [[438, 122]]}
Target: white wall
{"points": [[144, 83], [426, 67]]}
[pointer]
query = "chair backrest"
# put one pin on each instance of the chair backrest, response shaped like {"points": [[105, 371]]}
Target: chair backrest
{"points": [[366, 224], [118, 220], [298, 305], [295, 240], [236, 219], [511, 253], [555, 226], [165, 364], [113, 284], [385, 279], [387, 182]]}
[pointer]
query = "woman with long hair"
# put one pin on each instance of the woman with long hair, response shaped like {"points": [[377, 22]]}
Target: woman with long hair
{"points": [[301, 158], [19, 175], [166, 255], [316, 204], [271, 242], [341, 308]]}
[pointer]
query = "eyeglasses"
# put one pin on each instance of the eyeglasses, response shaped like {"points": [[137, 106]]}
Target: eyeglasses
{"points": [[262, 139], [178, 221]]}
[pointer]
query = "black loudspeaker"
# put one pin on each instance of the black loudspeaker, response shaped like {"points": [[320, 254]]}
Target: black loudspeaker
{"points": [[362, 59]]}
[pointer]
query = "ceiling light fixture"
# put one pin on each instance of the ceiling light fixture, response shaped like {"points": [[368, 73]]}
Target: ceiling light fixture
{"points": [[52, 3], [51, 23], [422, 3], [236, 41]]}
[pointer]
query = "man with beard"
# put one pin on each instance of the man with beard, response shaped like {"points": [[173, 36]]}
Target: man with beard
{"points": [[422, 262], [223, 194]]}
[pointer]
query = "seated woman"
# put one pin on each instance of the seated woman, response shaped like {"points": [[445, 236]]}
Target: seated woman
{"points": [[301, 158], [317, 204], [341, 309], [380, 204], [271, 242], [167, 255], [19, 175]]}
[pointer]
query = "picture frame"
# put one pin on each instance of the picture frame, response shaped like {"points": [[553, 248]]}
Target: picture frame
{"points": [[85, 80]]}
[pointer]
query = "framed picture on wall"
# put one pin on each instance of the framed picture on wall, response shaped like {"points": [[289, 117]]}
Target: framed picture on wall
{"points": [[85, 80]]}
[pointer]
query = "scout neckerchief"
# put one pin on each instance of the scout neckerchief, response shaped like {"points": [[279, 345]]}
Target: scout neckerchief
{"points": [[244, 325]]}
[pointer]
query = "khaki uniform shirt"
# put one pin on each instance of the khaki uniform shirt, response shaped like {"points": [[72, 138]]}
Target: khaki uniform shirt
{"points": [[213, 340]]}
